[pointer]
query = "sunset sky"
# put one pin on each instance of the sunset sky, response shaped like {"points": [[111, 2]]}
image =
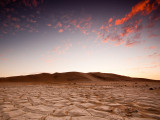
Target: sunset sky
{"points": [[110, 36]]}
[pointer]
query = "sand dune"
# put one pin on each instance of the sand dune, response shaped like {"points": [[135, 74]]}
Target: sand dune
{"points": [[79, 96], [72, 77]]}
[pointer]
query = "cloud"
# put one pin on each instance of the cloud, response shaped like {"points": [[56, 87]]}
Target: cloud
{"points": [[59, 24], [32, 3], [110, 20], [158, 1], [144, 7], [153, 35], [131, 43], [5, 25], [154, 55], [82, 24], [150, 47], [100, 35], [67, 27], [69, 23], [60, 30], [73, 22], [93, 30], [153, 19], [48, 58], [17, 26], [128, 31], [63, 48], [117, 40], [137, 36], [32, 21], [131, 28], [49, 25], [150, 25], [4, 32], [106, 39], [56, 49], [153, 66], [118, 35], [15, 19], [102, 27], [118, 43]]}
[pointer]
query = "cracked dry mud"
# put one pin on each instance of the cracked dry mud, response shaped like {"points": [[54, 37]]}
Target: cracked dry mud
{"points": [[63, 102]]}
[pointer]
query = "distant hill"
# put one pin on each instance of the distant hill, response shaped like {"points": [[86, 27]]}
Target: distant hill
{"points": [[71, 77]]}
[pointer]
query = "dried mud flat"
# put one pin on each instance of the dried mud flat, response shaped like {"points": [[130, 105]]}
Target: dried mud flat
{"points": [[80, 102]]}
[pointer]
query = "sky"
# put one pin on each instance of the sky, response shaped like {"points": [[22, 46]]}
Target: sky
{"points": [[109, 36]]}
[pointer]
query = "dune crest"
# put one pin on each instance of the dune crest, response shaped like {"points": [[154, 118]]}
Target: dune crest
{"points": [[72, 77]]}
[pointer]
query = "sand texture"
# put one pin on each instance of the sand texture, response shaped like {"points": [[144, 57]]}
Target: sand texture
{"points": [[112, 100]]}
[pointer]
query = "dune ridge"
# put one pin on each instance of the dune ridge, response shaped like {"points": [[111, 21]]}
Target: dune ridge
{"points": [[73, 77]]}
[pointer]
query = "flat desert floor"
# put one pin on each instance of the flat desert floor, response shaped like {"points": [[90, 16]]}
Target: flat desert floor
{"points": [[110, 101]]}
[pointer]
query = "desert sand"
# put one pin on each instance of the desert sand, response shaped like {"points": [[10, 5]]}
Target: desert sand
{"points": [[79, 96]]}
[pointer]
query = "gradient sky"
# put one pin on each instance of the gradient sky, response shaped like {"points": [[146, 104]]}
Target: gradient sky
{"points": [[110, 36]]}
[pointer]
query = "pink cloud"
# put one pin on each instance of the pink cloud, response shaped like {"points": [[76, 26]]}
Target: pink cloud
{"points": [[48, 59], [32, 3], [134, 27], [59, 24], [83, 24], [130, 43], [128, 31], [100, 35], [35, 3], [152, 19], [153, 35], [110, 20], [154, 55], [73, 22], [49, 25], [63, 48], [60, 30], [56, 49], [15, 19], [17, 26], [117, 40], [32, 21], [137, 36], [110, 25], [144, 7], [78, 26], [5, 25], [67, 27], [105, 40], [93, 31], [4, 32], [118, 43], [150, 25], [84, 31], [150, 47], [102, 27]]}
